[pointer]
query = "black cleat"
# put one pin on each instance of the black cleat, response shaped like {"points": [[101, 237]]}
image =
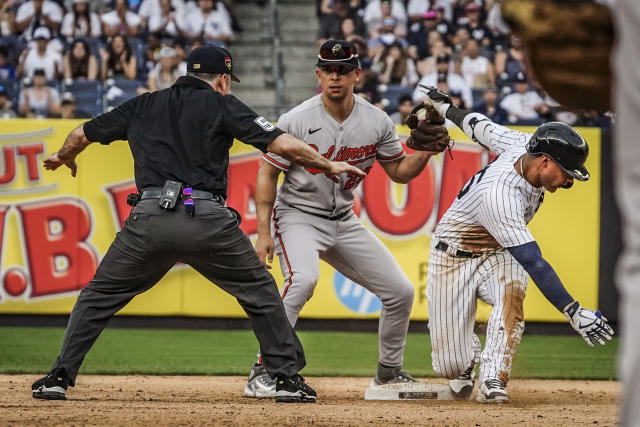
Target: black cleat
{"points": [[294, 390], [52, 387]]}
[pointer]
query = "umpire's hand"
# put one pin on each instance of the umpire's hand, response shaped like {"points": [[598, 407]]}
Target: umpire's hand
{"points": [[54, 161], [337, 168]]}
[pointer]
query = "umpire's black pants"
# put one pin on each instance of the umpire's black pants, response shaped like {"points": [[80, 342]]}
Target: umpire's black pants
{"points": [[150, 243]]}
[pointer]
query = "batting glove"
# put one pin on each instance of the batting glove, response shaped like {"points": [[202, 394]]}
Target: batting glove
{"points": [[592, 325], [440, 100]]}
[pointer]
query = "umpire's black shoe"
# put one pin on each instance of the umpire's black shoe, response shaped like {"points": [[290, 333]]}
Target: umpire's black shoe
{"points": [[52, 387], [294, 390]]}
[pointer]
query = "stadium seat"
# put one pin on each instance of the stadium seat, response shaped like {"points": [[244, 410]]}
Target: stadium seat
{"points": [[118, 91], [88, 95], [390, 94]]}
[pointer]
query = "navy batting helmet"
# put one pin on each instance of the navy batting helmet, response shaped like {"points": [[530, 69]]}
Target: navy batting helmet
{"points": [[564, 145]]}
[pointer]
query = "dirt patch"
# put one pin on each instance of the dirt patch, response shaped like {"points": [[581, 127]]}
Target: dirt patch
{"points": [[156, 400]]}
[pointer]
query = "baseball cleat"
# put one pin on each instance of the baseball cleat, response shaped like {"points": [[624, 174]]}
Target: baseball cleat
{"points": [[52, 387], [388, 375], [294, 390], [462, 387], [260, 384], [492, 391]]}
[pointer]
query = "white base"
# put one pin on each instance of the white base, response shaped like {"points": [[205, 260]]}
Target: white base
{"points": [[409, 391]]}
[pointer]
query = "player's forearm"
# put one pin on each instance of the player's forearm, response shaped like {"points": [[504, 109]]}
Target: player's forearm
{"points": [[266, 190], [457, 115], [74, 144], [409, 167], [543, 275], [298, 152]]}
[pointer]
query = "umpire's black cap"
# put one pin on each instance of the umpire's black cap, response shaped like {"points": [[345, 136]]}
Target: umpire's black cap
{"points": [[340, 52], [211, 59]]}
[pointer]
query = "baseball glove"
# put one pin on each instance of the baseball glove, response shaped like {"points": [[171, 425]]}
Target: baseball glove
{"points": [[427, 130], [568, 43]]}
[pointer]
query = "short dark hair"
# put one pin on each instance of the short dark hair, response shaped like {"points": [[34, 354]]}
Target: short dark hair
{"points": [[209, 77], [404, 98]]}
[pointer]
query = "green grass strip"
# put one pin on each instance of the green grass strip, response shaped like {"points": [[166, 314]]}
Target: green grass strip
{"points": [[216, 352]]}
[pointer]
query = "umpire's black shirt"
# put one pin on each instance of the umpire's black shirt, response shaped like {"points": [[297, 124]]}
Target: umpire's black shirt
{"points": [[182, 133]]}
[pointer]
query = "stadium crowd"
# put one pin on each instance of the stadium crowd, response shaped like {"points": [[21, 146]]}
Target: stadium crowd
{"points": [[461, 46], [58, 57], [77, 58]]}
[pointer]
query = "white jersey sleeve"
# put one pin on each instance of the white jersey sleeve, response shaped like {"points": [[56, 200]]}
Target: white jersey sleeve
{"points": [[492, 136], [390, 148], [273, 159], [502, 212]]}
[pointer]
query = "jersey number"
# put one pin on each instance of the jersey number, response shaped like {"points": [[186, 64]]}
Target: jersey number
{"points": [[475, 179], [355, 180]]}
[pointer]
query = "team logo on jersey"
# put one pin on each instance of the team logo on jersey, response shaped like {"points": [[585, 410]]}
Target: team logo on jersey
{"points": [[264, 124], [355, 297], [227, 62]]}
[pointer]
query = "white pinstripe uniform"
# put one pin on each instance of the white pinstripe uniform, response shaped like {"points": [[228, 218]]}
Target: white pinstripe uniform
{"points": [[489, 214], [303, 236]]}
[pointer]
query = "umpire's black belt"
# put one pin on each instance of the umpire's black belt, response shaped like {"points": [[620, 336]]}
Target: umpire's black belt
{"points": [[442, 246], [156, 193]]}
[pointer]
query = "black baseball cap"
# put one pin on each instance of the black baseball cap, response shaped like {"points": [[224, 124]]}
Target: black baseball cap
{"points": [[211, 59], [520, 77], [339, 52]]}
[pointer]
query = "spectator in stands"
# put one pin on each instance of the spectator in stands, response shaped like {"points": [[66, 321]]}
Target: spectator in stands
{"points": [[41, 56], [79, 63], [459, 41], [363, 54], [510, 62], [168, 22], [437, 47], [524, 105], [7, 19], [477, 30], [489, 106], [405, 105], [394, 67], [456, 98], [6, 112], [151, 10], [80, 22], [336, 14], [476, 69], [151, 50], [443, 23], [210, 22], [7, 71], [34, 14], [121, 20], [181, 56], [421, 37], [165, 73], [39, 100], [378, 10], [367, 88], [386, 36], [454, 81], [499, 29], [117, 60], [69, 110]]}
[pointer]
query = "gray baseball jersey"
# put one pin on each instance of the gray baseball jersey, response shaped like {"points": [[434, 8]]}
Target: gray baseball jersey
{"points": [[304, 232], [468, 259], [366, 135]]}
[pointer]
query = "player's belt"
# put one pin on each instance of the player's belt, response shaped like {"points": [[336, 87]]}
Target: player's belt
{"points": [[444, 247], [156, 193], [331, 218]]}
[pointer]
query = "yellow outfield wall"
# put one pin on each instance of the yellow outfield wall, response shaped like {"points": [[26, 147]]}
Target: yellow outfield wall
{"points": [[54, 229]]}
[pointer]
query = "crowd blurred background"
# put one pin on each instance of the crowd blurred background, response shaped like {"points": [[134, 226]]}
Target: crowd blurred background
{"points": [[78, 58]]}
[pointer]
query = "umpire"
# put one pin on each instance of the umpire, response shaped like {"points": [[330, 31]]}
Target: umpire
{"points": [[180, 139]]}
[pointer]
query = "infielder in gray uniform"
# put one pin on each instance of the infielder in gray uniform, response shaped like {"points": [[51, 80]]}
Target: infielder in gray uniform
{"points": [[313, 217], [483, 249]]}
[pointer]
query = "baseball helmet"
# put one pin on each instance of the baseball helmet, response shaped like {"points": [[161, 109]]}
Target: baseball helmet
{"points": [[564, 145]]}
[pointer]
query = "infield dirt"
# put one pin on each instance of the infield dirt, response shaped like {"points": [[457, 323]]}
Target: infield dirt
{"points": [[197, 400]]}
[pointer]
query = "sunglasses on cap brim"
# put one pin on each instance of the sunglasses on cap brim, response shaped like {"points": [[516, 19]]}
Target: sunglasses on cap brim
{"points": [[340, 69], [345, 53]]}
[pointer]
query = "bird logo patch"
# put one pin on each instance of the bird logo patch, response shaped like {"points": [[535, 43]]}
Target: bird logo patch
{"points": [[227, 62]]}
